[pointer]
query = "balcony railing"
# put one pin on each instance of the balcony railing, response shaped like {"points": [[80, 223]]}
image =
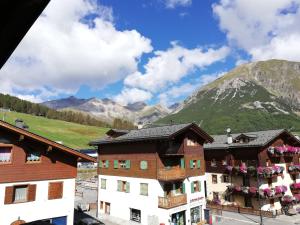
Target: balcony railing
{"points": [[170, 174], [171, 202]]}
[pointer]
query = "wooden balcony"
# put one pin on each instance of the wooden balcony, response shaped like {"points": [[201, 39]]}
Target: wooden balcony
{"points": [[170, 174], [171, 202]]}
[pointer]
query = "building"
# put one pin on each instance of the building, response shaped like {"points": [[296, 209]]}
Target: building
{"points": [[253, 170], [153, 175], [37, 178]]}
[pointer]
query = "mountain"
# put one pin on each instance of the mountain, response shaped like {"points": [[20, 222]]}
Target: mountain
{"points": [[107, 109], [254, 96]]}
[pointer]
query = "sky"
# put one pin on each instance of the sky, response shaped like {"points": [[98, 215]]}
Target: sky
{"points": [[156, 51]]}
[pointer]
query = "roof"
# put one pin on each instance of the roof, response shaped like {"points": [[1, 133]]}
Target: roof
{"points": [[258, 139], [16, 18], [153, 133], [28, 134]]}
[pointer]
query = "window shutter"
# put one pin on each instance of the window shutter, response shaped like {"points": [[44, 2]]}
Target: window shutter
{"points": [[9, 192], [31, 192], [55, 190], [191, 164], [192, 187], [183, 188], [127, 164], [119, 185], [127, 187], [199, 185], [182, 163], [100, 164], [198, 163], [106, 163], [116, 164]]}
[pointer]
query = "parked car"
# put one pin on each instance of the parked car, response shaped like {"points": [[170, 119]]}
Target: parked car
{"points": [[89, 221]]}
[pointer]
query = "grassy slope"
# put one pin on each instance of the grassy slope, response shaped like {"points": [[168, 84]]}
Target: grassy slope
{"points": [[71, 134], [215, 117]]}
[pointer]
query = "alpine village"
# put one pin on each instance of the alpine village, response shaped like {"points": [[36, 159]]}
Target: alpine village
{"points": [[227, 153]]}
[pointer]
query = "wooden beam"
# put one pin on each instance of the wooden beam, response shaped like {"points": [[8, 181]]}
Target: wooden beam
{"points": [[49, 149]]}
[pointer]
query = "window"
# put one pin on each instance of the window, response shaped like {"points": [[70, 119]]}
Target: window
{"points": [[101, 204], [144, 189], [20, 193], [33, 157], [55, 190], [5, 155], [214, 179], [104, 163], [125, 164], [191, 142], [215, 195], [103, 183], [178, 188], [123, 186], [224, 162], [144, 165], [135, 215], [195, 164], [213, 163], [225, 179], [195, 186]]}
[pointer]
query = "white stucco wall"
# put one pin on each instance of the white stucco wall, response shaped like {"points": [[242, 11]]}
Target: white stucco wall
{"points": [[41, 208], [122, 202], [219, 187]]}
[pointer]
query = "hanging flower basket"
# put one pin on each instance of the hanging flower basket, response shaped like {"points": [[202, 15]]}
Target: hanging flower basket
{"points": [[243, 169], [287, 199]]}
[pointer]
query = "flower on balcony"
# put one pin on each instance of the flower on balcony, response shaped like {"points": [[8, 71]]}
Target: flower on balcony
{"points": [[237, 188], [297, 198], [280, 150], [291, 150], [229, 169], [216, 201], [268, 192], [243, 169], [260, 170], [295, 186], [277, 169], [245, 190], [287, 199], [280, 189], [253, 190]]}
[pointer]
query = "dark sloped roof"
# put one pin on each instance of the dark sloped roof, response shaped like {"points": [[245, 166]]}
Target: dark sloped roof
{"points": [[258, 139], [152, 133]]}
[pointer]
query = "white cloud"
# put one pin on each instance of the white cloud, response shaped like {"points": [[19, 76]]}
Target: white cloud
{"points": [[170, 66], [174, 3], [66, 49], [265, 29], [131, 95]]}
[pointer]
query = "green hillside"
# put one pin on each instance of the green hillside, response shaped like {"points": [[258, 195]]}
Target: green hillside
{"points": [[71, 134], [248, 107]]}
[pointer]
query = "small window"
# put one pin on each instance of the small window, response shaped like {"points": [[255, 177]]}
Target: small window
{"points": [[135, 215], [144, 189], [214, 179], [224, 162], [195, 186], [191, 142], [55, 190], [193, 164], [144, 165], [122, 163], [103, 183], [5, 155], [123, 186], [215, 195], [103, 163], [20, 193], [213, 163], [225, 179], [33, 157]]}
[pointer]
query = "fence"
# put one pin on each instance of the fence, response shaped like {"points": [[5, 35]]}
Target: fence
{"points": [[242, 210]]}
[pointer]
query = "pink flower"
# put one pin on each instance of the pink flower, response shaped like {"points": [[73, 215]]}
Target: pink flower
{"points": [[253, 190]]}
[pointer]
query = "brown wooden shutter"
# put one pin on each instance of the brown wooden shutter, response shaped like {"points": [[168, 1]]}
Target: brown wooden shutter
{"points": [[9, 194], [55, 190], [31, 192]]}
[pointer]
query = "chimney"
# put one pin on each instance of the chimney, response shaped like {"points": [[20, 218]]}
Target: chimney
{"points": [[229, 137]]}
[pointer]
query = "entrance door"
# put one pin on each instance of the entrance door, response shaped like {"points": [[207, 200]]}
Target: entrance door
{"points": [[178, 218], [107, 208]]}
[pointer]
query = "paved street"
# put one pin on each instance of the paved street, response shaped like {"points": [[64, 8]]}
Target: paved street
{"points": [[229, 218]]}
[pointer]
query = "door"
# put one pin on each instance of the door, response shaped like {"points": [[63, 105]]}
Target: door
{"points": [[107, 208]]}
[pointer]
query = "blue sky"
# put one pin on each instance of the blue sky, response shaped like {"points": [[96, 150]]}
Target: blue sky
{"points": [[158, 51]]}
